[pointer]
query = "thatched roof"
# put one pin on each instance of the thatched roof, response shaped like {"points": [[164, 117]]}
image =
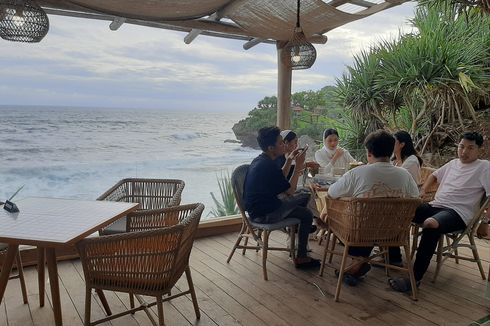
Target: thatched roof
{"points": [[257, 20]]}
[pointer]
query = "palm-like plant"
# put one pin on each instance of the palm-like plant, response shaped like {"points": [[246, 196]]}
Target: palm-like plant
{"points": [[227, 206], [436, 75], [461, 6]]}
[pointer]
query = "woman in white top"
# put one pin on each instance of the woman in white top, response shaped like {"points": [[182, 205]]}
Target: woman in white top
{"points": [[406, 156], [331, 155]]}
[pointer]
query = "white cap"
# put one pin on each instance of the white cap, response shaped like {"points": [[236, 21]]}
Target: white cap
{"points": [[284, 133]]}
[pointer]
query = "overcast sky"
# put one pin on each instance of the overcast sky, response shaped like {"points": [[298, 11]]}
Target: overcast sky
{"points": [[83, 63]]}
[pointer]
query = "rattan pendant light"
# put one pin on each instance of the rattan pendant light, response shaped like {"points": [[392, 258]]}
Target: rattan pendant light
{"points": [[298, 52], [22, 21]]}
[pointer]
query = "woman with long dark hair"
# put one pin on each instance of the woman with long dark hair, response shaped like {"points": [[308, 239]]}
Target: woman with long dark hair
{"points": [[405, 154]]}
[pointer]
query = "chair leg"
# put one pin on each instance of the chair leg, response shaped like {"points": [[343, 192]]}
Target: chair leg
{"points": [[410, 271], [237, 243], [161, 321], [321, 234], [476, 256], [20, 270], [334, 243], [245, 243], [292, 244], [104, 302], [415, 240], [387, 260], [325, 251], [440, 246], [456, 258], [131, 302], [88, 305], [341, 274], [264, 253], [41, 262], [193, 292]]}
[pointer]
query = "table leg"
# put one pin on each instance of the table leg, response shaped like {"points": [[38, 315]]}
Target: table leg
{"points": [[7, 268], [55, 288], [40, 274]]}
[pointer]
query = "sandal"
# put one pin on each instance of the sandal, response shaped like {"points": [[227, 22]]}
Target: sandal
{"points": [[401, 284]]}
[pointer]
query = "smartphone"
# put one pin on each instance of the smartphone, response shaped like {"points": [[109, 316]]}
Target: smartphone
{"points": [[304, 149]]}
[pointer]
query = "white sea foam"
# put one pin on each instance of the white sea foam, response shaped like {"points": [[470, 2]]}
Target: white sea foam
{"points": [[79, 153]]}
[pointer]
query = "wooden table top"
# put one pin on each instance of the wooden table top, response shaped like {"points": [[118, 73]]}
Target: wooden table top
{"points": [[53, 221]]}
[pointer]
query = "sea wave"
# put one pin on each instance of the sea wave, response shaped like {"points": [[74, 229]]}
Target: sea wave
{"points": [[186, 135]]}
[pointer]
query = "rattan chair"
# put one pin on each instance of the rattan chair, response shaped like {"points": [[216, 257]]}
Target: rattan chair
{"points": [[149, 193], [256, 231], [365, 222], [455, 242], [20, 270], [147, 262]]}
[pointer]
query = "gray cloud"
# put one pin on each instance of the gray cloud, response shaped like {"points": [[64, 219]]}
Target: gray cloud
{"points": [[83, 63]]}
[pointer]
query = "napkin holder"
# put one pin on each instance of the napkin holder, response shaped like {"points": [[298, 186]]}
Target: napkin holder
{"points": [[10, 207]]}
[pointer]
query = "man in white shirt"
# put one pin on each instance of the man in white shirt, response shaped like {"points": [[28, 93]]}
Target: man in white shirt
{"points": [[379, 178], [462, 184]]}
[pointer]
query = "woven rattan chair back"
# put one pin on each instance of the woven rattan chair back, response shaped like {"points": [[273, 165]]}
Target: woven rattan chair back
{"points": [[149, 193], [371, 221], [367, 222], [238, 182], [147, 262]]}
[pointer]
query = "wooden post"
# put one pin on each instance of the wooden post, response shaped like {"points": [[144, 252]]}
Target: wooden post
{"points": [[284, 76]]}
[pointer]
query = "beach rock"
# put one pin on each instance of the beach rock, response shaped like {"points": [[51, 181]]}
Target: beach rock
{"points": [[233, 141]]}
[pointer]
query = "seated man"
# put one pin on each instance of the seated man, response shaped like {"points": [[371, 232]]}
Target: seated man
{"points": [[462, 184], [379, 178], [268, 195]]}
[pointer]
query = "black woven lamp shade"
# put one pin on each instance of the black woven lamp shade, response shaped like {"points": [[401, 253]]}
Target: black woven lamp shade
{"points": [[298, 52], [22, 21]]}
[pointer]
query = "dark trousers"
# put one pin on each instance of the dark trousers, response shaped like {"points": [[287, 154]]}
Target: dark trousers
{"points": [[449, 221], [295, 207]]}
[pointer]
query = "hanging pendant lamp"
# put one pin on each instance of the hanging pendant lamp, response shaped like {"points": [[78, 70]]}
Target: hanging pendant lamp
{"points": [[22, 21], [298, 52]]}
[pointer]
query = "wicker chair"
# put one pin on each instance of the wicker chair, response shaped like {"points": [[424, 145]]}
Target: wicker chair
{"points": [[257, 231], [454, 242], [20, 270], [147, 262], [365, 222], [149, 193]]}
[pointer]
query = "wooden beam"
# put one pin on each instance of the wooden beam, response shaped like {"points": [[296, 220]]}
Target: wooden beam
{"points": [[362, 3], [253, 42], [195, 32], [284, 77]]}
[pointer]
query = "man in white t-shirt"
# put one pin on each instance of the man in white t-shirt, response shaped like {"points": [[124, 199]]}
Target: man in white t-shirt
{"points": [[462, 184], [379, 178]]}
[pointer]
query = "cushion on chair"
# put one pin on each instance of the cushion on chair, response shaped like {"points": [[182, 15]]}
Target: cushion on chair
{"points": [[117, 227], [276, 226]]}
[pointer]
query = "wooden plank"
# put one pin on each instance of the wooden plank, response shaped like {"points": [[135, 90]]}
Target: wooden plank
{"points": [[438, 305], [40, 315], [224, 300], [3, 314], [114, 303], [371, 307], [308, 300], [18, 313]]}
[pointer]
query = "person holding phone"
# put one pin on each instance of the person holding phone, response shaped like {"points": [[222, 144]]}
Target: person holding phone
{"points": [[332, 156], [286, 162]]}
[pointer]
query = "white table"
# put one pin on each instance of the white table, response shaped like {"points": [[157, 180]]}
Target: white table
{"points": [[48, 223]]}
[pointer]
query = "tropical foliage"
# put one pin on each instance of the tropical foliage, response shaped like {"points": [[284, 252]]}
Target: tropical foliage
{"points": [[227, 206], [434, 76]]}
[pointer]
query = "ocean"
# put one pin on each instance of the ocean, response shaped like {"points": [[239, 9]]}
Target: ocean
{"points": [[66, 152]]}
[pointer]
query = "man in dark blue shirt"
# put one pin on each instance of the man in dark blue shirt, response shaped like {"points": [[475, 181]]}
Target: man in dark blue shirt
{"points": [[269, 196]]}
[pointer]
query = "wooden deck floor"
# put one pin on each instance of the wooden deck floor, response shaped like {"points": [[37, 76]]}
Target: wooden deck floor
{"points": [[235, 294]]}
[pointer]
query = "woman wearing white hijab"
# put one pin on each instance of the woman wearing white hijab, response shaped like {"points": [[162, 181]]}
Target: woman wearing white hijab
{"points": [[331, 155]]}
